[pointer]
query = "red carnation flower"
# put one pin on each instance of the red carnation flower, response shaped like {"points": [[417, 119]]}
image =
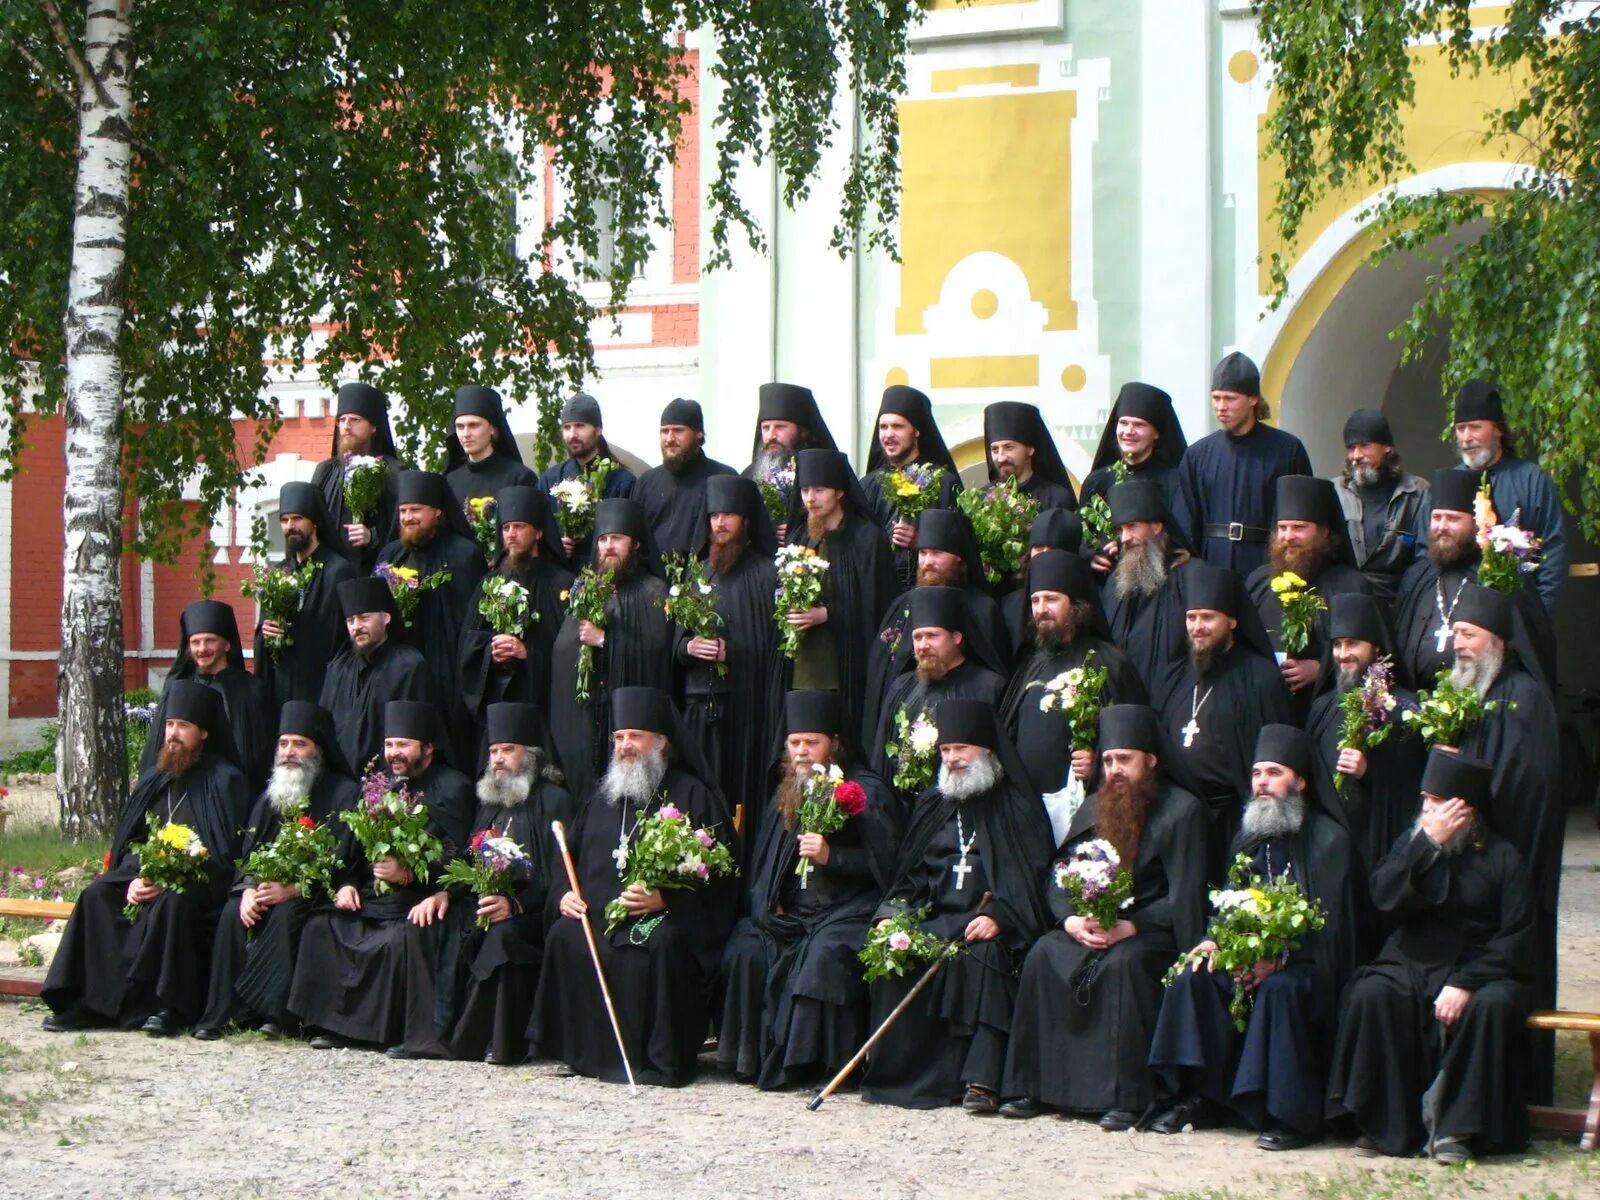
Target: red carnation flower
{"points": [[105, 863], [477, 838], [307, 823], [851, 798]]}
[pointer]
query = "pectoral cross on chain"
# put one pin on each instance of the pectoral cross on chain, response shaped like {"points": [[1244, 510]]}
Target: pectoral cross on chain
{"points": [[961, 870], [1441, 636], [1190, 731]]}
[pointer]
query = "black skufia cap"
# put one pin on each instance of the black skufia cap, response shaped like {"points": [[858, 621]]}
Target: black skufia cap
{"points": [[644, 708], [1056, 529], [1206, 586], [1487, 609], [813, 712], [1130, 727], [620, 515], [1367, 425], [967, 723], [1454, 489], [936, 608], [193, 702], [732, 494], [1479, 400], [786, 402], [1237, 373], [822, 468], [1451, 775], [414, 720], [582, 408], [365, 594], [509, 721], [1061, 571], [1304, 498], [1138, 500], [1356, 615], [1288, 747], [684, 412], [424, 487], [519, 502]]}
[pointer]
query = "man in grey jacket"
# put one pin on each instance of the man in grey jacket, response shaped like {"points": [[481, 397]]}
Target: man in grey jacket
{"points": [[1381, 502]]}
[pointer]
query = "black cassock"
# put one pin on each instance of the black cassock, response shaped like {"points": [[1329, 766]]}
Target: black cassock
{"points": [[251, 969], [794, 1004], [479, 983], [358, 686], [1048, 493], [1336, 579], [637, 653], [251, 718], [905, 558], [106, 969], [1271, 1075], [384, 525], [440, 616], [987, 638], [954, 1034], [734, 716], [969, 681], [856, 591], [1146, 628], [1156, 469], [1224, 480], [675, 503], [1426, 601], [486, 478], [524, 680], [1466, 922], [350, 975], [660, 981], [1081, 1031], [1379, 806], [1041, 738], [317, 630]]}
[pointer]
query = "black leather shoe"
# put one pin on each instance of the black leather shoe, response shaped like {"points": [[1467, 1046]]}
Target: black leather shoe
{"points": [[205, 1035], [1186, 1113], [398, 1051], [1365, 1147], [1022, 1108], [270, 1030], [63, 1022], [980, 1102], [1451, 1152], [1118, 1120], [326, 1041], [160, 1024], [1285, 1139]]}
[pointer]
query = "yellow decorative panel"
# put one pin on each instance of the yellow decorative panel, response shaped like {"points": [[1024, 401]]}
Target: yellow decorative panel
{"points": [[956, 78], [988, 370]]}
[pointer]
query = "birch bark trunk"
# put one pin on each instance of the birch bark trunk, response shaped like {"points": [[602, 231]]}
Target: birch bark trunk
{"points": [[91, 756]]}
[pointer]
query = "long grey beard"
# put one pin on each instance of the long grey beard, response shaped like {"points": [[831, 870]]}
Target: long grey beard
{"points": [[507, 791], [1143, 570], [1466, 836], [1481, 674], [1476, 460], [768, 461], [1265, 817], [982, 775], [289, 786], [636, 781], [1350, 680]]}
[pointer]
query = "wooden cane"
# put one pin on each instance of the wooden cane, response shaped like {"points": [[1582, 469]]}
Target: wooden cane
{"points": [[837, 1081], [557, 828]]}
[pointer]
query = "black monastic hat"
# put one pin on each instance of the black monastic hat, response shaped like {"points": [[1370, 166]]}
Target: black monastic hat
{"points": [[1451, 775], [509, 721]]}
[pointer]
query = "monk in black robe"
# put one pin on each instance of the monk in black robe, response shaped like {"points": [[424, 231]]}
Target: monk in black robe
{"points": [[515, 665], [315, 633], [1142, 433], [835, 653], [210, 653], [907, 436], [787, 422], [731, 681], [151, 975], [660, 961], [481, 454], [944, 665], [1271, 1075], [973, 857], [583, 433], [1432, 1054], [1066, 630], [1431, 586], [632, 649], [350, 977], [673, 494], [794, 1005], [469, 990], [1216, 699], [1307, 540], [1052, 529], [1088, 999], [361, 428], [375, 666], [1143, 593], [258, 933], [1018, 445], [436, 542]]}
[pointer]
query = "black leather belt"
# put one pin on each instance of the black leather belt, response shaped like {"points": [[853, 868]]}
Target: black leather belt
{"points": [[1236, 532]]}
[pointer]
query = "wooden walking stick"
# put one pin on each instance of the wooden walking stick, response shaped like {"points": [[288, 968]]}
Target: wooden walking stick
{"points": [[845, 1072], [560, 830]]}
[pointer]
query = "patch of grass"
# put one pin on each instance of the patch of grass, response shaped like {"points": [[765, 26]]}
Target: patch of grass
{"points": [[34, 1078], [37, 862]]}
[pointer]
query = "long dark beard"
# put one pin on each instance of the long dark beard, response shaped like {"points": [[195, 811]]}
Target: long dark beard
{"points": [[516, 566], [1203, 660], [177, 759], [676, 460], [788, 796], [1120, 812], [1305, 561], [1446, 552], [1053, 636], [725, 557]]}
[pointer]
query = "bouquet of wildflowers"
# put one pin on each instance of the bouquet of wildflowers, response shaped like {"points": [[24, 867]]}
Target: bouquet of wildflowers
{"points": [[800, 572], [483, 515], [171, 858], [586, 601], [389, 824], [1510, 552], [1367, 711], [691, 601], [1256, 919], [407, 585], [278, 593], [1100, 886], [1095, 513], [1300, 604], [492, 866], [1443, 715], [900, 943], [912, 490], [1075, 694], [913, 748], [577, 498], [828, 800], [365, 476], [777, 488], [505, 606], [670, 852], [302, 856], [1001, 516]]}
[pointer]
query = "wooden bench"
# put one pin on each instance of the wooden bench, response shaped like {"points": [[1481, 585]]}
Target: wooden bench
{"points": [[1571, 1120], [59, 910]]}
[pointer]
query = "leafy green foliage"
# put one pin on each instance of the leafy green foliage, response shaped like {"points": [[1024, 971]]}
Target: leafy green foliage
{"points": [[339, 179], [1519, 300]]}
